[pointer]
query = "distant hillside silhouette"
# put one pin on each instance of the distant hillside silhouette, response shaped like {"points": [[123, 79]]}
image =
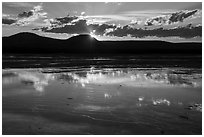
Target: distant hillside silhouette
{"points": [[85, 44]]}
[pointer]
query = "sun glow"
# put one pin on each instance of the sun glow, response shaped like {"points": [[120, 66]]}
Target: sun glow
{"points": [[92, 34]]}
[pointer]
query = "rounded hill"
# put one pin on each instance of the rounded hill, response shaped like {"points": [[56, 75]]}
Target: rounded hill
{"points": [[83, 38]]}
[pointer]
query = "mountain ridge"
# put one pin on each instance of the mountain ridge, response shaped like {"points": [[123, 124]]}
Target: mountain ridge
{"points": [[26, 42]]}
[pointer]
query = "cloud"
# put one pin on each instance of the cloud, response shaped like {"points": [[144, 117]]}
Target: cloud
{"points": [[184, 32], [180, 16], [82, 13], [74, 25], [26, 17], [8, 21], [160, 20], [35, 10], [101, 29], [25, 14], [5, 15], [78, 27], [174, 17], [60, 21], [165, 25]]}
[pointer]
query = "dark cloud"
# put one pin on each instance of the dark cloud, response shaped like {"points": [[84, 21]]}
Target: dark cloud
{"points": [[64, 20], [173, 18], [57, 22], [180, 16], [25, 14], [76, 28], [8, 21], [184, 32], [73, 25], [149, 23], [157, 20]]}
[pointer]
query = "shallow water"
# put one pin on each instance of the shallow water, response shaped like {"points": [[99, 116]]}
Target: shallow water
{"points": [[102, 100], [108, 61]]}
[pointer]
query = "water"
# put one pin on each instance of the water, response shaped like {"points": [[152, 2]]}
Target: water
{"points": [[111, 61], [106, 98]]}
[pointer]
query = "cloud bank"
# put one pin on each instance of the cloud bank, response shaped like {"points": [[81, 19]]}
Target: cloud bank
{"points": [[182, 32], [78, 25]]}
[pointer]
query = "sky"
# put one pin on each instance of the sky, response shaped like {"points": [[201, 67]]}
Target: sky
{"points": [[168, 21]]}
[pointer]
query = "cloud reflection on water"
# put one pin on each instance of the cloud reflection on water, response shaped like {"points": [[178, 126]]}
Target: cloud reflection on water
{"points": [[126, 77], [136, 78], [36, 79], [161, 101]]}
